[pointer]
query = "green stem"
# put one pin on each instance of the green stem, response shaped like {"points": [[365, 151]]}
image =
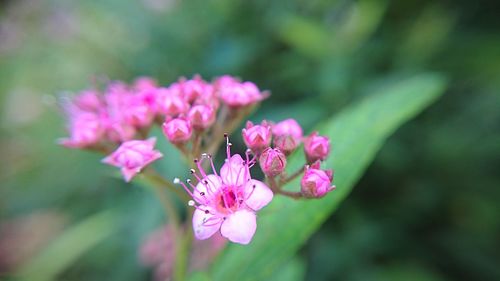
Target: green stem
{"points": [[156, 179], [292, 176], [277, 190], [183, 250]]}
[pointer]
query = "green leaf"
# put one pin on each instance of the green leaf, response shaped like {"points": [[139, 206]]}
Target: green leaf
{"points": [[357, 134], [69, 246]]}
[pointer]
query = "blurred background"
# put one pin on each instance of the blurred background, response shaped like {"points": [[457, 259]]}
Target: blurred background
{"points": [[427, 208]]}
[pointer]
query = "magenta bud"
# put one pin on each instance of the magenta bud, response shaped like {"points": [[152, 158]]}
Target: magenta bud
{"points": [[177, 130], [238, 94], [138, 112], [132, 156], [316, 183], [201, 116], [316, 147], [170, 103], [144, 83], [257, 137], [272, 161], [85, 129]]}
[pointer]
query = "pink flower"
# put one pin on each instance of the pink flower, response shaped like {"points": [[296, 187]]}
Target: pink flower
{"points": [[238, 94], [89, 100], [257, 137], [132, 156], [144, 83], [287, 135], [316, 183], [171, 103], [85, 130], [139, 112], [201, 116], [177, 130], [316, 147], [195, 88], [272, 161], [227, 202]]}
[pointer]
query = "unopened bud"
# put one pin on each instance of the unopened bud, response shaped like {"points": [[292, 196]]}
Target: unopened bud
{"points": [[257, 137], [177, 130], [272, 161], [316, 147], [316, 183]]}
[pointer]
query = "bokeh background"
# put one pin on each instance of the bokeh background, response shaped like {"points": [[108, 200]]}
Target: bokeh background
{"points": [[427, 208]]}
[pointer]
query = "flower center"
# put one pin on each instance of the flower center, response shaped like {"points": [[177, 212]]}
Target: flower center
{"points": [[227, 200]]}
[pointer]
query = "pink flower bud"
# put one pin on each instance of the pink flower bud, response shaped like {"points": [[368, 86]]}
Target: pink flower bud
{"points": [[287, 135], [177, 130], [85, 130], [170, 103], [89, 100], [316, 183], [138, 112], [257, 137], [272, 162], [195, 88], [132, 156], [236, 94], [201, 116], [144, 83], [316, 147]]}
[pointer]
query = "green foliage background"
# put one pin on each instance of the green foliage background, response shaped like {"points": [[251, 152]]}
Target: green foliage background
{"points": [[426, 209]]}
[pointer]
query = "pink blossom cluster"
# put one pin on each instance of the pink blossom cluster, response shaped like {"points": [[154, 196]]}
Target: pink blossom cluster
{"points": [[122, 115], [193, 115]]}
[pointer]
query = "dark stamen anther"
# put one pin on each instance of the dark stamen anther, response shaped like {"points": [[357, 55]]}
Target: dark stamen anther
{"points": [[202, 193]]}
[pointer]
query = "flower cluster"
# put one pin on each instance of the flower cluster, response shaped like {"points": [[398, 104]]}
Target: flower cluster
{"points": [[121, 116], [286, 136], [193, 115]]}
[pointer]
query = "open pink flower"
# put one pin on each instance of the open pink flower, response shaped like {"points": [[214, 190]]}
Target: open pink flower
{"points": [[227, 201], [132, 156]]}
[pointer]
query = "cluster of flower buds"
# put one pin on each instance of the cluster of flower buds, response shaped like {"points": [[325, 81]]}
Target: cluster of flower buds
{"points": [[121, 115], [286, 136], [193, 115]]}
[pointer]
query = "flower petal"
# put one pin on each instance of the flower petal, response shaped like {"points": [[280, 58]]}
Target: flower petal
{"points": [[240, 226], [258, 194], [205, 225], [233, 171], [128, 174], [214, 184]]}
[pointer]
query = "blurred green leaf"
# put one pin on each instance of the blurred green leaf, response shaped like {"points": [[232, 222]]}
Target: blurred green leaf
{"points": [[357, 134], [294, 270], [68, 247]]}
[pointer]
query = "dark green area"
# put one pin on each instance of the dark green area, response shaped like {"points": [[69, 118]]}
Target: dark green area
{"points": [[427, 208]]}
